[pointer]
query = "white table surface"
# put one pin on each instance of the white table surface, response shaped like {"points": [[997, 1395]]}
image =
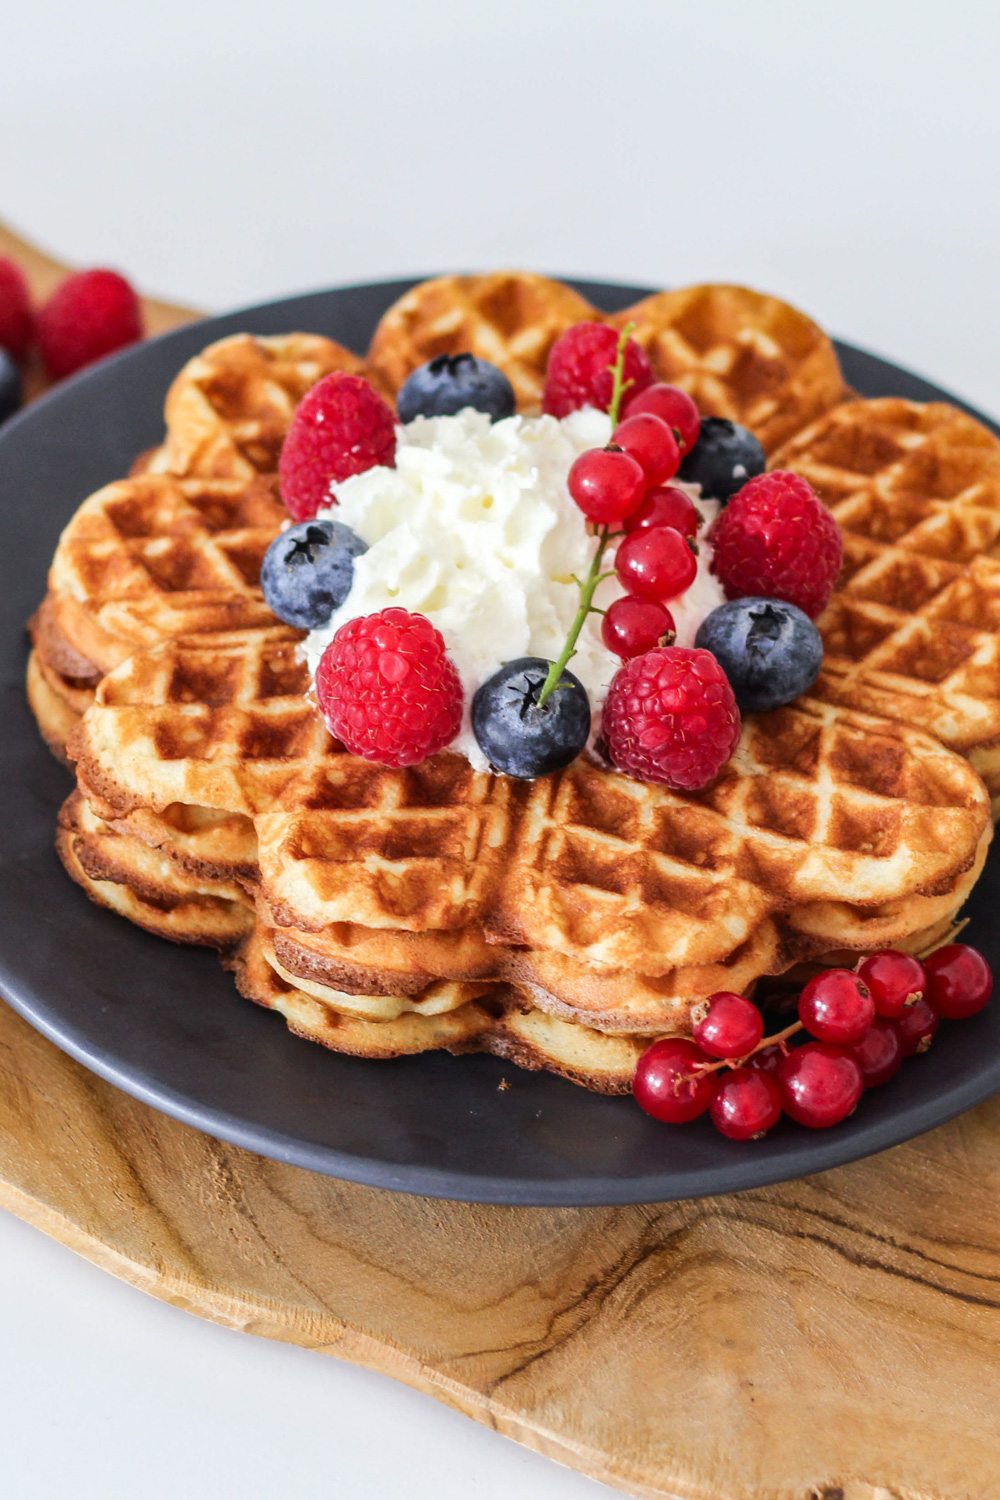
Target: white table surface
{"points": [[228, 151]]}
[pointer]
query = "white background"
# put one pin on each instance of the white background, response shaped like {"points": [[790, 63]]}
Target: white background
{"points": [[228, 151]]}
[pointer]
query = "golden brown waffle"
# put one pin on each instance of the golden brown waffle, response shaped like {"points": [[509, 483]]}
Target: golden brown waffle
{"points": [[152, 557], [913, 630], [561, 924], [230, 407], [504, 1024], [741, 354], [511, 318], [147, 887], [51, 703], [819, 804]]}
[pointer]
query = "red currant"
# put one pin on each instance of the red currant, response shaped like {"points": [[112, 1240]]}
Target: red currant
{"points": [[820, 1084], [658, 564], [768, 1059], [896, 980], [665, 507], [746, 1104], [652, 444], [916, 1028], [879, 1052], [671, 405], [606, 485], [668, 1085], [633, 625], [959, 981], [836, 1006], [729, 1025]]}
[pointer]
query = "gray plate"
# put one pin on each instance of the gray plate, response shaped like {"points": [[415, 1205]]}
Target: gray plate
{"points": [[165, 1023]]}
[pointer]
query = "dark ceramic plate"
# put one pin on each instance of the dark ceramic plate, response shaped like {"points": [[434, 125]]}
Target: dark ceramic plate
{"points": [[165, 1023]]}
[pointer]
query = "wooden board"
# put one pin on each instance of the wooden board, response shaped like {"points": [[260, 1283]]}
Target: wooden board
{"points": [[831, 1339]]}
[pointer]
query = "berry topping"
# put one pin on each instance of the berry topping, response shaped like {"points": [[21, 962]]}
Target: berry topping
{"points": [[633, 625], [959, 981], [516, 734], [388, 689], [896, 981], [776, 539], [837, 1006], [665, 507], [580, 366], [820, 1084], [90, 315], [746, 1104], [607, 485], [916, 1028], [659, 564], [450, 383], [342, 427], [727, 1025], [17, 323], [652, 444], [671, 405], [668, 1083], [879, 1053], [307, 572], [11, 390], [723, 459], [770, 651], [670, 717]]}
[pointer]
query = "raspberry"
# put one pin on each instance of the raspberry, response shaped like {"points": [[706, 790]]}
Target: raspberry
{"points": [[92, 313], [776, 539], [388, 689], [670, 716], [342, 427], [17, 323], [580, 365]]}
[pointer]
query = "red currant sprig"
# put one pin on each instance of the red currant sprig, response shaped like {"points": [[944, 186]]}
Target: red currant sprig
{"points": [[614, 483], [607, 484], [862, 1025]]}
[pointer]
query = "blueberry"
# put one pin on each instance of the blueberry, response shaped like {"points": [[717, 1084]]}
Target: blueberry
{"points": [[307, 571], [519, 738], [770, 651], [452, 382], [723, 459], [11, 390]]}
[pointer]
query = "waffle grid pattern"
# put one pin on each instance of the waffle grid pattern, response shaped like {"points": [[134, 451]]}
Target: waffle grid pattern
{"points": [[912, 631]]}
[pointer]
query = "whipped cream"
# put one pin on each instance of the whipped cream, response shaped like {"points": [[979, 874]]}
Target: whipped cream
{"points": [[476, 529]]}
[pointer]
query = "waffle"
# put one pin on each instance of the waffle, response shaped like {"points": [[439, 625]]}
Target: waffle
{"points": [[504, 1024], [740, 354], [565, 923], [51, 703], [230, 407], [147, 887], [152, 557], [511, 318], [912, 631], [820, 805]]}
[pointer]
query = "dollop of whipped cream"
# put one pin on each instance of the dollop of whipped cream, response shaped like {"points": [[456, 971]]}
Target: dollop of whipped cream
{"points": [[475, 528]]}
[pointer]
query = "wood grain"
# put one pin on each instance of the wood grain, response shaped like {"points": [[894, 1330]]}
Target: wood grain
{"points": [[831, 1339], [835, 1337]]}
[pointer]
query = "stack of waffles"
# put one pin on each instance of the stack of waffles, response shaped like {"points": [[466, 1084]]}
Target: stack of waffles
{"points": [[566, 922]]}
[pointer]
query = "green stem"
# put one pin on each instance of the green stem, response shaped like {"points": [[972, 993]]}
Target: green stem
{"points": [[620, 384], [588, 588]]}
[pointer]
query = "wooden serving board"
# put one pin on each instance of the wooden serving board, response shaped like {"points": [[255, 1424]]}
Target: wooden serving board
{"points": [[837, 1338]]}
